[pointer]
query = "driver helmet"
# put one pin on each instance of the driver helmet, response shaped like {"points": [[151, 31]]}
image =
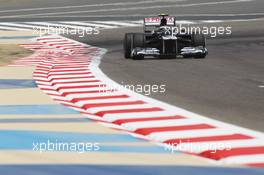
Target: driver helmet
{"points": [[163, 21]]}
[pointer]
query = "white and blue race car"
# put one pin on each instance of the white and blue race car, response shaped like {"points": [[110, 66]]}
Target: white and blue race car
{"points": [[160, 40]]}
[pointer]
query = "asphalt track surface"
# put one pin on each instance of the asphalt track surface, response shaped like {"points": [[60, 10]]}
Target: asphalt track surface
{"points": [[67, 10]]}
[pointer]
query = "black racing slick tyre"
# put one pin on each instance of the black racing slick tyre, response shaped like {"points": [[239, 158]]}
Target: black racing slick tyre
{"points": [[200, 55], [138, 42], [128, 45], [198, 40]]}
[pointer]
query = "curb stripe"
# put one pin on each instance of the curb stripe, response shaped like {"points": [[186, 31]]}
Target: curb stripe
{"points": [[235, 151]]}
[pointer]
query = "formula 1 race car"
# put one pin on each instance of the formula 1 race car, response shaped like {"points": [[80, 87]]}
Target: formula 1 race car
{"points": [[160, 39]]}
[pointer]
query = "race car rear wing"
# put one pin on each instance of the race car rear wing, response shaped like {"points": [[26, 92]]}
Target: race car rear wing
{"points": [[152, 22]]}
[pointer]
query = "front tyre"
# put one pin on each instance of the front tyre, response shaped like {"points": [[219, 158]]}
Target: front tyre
{"points": [[203, 55], [138, 42], [198, 40], [128, 45]]}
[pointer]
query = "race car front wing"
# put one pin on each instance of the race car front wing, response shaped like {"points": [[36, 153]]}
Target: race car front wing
{"points": [[186, 51]]}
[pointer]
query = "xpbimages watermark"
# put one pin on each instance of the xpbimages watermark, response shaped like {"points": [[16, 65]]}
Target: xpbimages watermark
{"points": [[62, 30], [145, 89], [193, 147], [212, 31], [79, 147]]}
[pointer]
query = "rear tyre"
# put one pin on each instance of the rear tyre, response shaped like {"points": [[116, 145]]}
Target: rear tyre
{"points": [[128, 45]]}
